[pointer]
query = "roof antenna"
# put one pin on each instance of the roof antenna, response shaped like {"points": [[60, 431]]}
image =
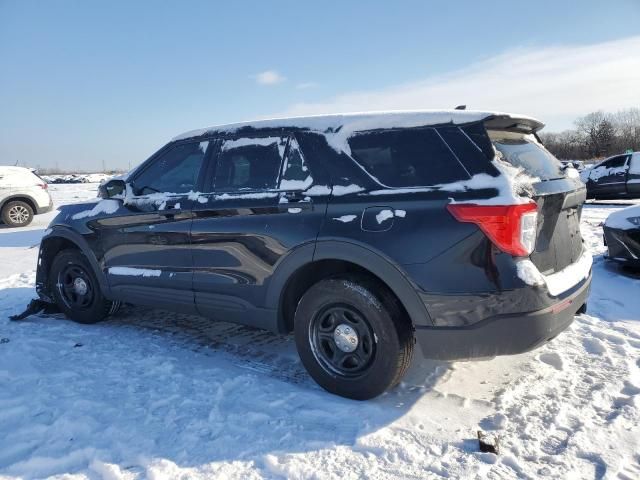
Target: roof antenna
{"points": [[461, 107]]}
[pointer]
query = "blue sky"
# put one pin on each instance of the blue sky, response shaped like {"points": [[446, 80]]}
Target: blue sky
{"points": [[84, 83]]}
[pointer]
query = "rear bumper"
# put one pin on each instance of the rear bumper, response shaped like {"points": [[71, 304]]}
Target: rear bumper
{"points": [[503, 334], [46, 208]]}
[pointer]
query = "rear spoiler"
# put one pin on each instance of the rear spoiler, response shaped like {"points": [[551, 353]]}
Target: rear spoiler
{"points": [[513, 123]]}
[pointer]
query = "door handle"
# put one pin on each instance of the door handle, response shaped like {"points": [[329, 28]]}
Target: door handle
{"points": [[295, 197], [173, 204], [171, 209]]}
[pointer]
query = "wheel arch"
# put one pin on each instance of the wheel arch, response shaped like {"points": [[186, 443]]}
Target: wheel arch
{"points": [[21, 198], [336, 257], [61, 239]]}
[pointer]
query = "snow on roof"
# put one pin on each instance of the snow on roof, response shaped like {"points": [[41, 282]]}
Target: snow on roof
{"points": [[13, 169], [348, 123]]}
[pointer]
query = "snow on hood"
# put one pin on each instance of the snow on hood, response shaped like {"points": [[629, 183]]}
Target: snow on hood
{"points": [[620, 219], [337, 128], [103, 206]]}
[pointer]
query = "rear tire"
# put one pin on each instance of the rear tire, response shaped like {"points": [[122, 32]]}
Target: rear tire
{"points": [[76, 289], [17, 214], [352, 337]]}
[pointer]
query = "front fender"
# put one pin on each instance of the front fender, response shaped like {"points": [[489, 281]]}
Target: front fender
{"points": [[59, 238]]}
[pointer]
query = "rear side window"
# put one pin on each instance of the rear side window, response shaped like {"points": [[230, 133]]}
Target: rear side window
{"points": [[249, 164], [407, 158], [174, 171], [466, 150], [521, 150]]}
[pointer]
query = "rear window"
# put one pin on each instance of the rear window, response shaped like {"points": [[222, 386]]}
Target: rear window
{"points": [[407, 158], [522, 150]]}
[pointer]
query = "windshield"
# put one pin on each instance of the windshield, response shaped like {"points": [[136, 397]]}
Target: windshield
{"points": [[522, 150]]}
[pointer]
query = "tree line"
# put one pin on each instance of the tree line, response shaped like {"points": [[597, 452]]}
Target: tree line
{"points": [[596, 135]]}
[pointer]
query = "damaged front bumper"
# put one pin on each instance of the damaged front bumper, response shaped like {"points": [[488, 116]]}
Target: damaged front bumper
{"points": [[623, 245], [35, 307]]}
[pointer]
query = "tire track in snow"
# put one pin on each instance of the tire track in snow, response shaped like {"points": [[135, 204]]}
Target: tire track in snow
{"points": [[247, 348]]}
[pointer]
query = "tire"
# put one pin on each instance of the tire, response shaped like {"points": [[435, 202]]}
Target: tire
{"points": [[76, 289], [381, 336], [17, 214]]}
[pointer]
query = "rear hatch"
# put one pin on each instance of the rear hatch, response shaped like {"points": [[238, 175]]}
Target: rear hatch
{"points": [[558, 196]]}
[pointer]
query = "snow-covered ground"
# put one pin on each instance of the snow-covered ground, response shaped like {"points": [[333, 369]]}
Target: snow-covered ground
{"points": [[151, 394]]}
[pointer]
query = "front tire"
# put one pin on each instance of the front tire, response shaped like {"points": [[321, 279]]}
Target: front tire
{"points": [[76, 289], [352, 337], [17, 214]]}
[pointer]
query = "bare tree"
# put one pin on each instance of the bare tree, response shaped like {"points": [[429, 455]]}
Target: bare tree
{"points": [[596, 135], [598, 132], [627, 128]]}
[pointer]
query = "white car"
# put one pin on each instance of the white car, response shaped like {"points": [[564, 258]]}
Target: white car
{"points": [[23, 194]]}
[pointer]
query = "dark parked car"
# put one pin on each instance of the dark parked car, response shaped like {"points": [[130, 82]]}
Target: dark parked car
{"points": [[615, 177], [362, 234], [622, 236]]}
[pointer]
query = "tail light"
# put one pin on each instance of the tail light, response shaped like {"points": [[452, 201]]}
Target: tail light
{"points": [[511, 228], [43, 186]]}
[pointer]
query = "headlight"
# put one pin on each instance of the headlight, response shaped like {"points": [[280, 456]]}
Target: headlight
{"points": [[634, 220]]}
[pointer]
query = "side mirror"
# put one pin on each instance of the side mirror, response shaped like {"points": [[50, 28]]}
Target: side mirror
{"points": [[115, 188]]}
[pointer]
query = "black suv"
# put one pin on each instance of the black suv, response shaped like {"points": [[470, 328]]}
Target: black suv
{"points": [[363, 234]]}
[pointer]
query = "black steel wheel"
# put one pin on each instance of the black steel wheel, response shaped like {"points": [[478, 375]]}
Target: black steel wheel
{"points": [[76, 289], [342, 340], [352, 337]]}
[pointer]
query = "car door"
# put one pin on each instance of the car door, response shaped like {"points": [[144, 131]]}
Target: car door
{"points": [[5, 184], [608, 179], [255, 215], [633, 176], [146, 243]]}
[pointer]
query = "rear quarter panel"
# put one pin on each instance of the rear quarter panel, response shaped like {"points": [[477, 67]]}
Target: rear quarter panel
{"points": [[408, 228]]}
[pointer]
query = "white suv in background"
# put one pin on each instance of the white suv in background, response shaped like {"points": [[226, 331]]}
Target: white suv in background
{"points": [[23, 194]]}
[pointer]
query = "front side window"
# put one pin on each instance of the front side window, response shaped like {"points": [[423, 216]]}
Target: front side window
{"points": [[407, 158], [249, 164], [175, 171], [615, 162]]}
